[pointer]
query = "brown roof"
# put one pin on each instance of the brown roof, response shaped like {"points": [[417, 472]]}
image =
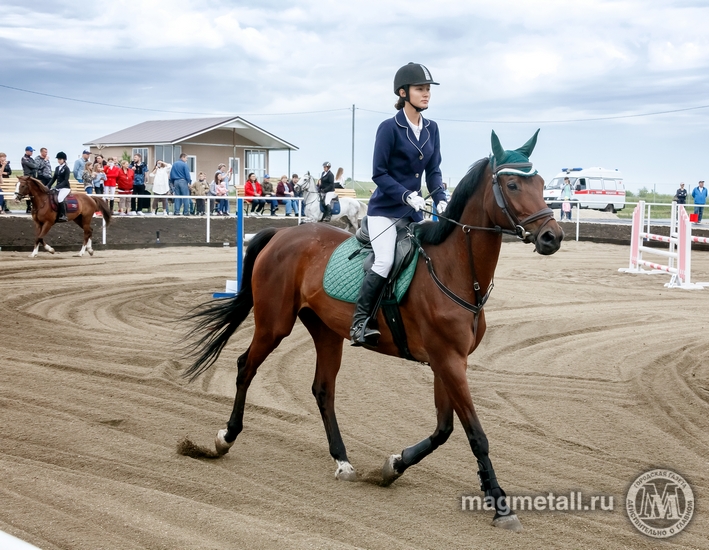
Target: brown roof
{"points": [[174, 131]]}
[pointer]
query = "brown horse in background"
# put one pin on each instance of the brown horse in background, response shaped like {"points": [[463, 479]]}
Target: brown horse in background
{"points": [[442, 312], [45, 217]]}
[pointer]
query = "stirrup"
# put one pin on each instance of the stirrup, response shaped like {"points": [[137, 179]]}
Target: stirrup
{"points": [[362, 335]]}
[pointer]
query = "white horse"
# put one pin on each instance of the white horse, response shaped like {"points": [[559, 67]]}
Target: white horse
{"points": [[351, 210]]}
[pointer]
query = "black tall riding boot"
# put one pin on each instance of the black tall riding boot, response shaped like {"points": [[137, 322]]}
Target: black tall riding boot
{"points": [[61, 212], [327, 214], [29, 207], [110, 205], [365, 310]]}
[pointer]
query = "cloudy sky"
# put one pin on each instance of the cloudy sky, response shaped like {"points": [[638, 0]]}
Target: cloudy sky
{"points": [[296, 68]]}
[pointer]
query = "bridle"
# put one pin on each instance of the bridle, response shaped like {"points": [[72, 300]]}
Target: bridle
{"points": [[518, 230], [518, 226], [547, 214], [306, 188]]}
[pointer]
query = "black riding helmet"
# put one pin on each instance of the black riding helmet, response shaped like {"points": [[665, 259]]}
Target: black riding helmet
{"points": [[61, 155], [411, 74]]}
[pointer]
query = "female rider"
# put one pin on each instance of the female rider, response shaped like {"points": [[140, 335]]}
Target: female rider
{"points": [[406, 146]]}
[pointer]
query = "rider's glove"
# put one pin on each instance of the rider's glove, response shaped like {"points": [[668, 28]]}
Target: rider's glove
{"points": [[416, 202], [441, 206]]}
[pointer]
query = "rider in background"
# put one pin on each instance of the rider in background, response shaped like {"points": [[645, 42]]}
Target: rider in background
{"points": [[327, 191], [406, 146], [61, 178]]}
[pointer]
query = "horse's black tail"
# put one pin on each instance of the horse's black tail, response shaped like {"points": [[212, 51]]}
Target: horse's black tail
{"points": [[220, 318]]}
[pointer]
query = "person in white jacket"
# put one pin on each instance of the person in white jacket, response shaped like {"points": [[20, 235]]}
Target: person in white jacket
{"points": [[161, 185]]}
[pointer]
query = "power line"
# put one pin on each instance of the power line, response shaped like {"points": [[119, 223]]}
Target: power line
{"points": [[611, 117], [558, 121], [165, 110]]}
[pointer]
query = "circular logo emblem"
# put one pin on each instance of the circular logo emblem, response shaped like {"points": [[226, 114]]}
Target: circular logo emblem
{"points": [[660, 503]]}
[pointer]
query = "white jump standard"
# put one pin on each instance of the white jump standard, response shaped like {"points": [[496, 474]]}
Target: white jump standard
{"points": [[679, 254]]}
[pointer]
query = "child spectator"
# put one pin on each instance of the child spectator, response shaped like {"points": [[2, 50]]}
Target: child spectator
{"points": [[221, 190], [87, 178], [97, 178], [200, 188]]}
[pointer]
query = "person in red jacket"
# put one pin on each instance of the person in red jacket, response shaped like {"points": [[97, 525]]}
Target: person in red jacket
{"points": [[124, 182], [109, 186], [252, 188]]}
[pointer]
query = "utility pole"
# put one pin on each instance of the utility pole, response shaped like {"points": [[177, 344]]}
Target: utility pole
{"points": [[353, 141]]}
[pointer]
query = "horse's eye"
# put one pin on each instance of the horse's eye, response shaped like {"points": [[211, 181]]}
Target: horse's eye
{"points": [[512, 186]]}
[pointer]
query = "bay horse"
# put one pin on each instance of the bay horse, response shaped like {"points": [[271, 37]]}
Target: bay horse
{"points": [[45, 217], [351, 210], [442, 311]]}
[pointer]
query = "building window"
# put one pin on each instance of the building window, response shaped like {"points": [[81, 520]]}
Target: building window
{"points": [[168, 153], [143, 152], [255, 162]]}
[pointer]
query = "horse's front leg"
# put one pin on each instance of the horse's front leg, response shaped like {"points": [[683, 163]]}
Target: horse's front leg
{"points": [[453, 376], [45, 229], [397, 464]]}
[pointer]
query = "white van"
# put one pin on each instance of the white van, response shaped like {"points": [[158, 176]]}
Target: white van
{"points": [[595, 188]]}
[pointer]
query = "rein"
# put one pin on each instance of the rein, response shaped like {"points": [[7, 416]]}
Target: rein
{"points": [[519, 231]]}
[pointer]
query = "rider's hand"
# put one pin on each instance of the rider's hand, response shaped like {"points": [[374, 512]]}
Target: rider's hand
{"points": [[416, 202], [441, 206]]}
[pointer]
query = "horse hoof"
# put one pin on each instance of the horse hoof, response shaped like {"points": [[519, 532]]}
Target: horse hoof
{"points": [[511, 523], [345, 471], [222, 444], [389, 473], [91, 252]]}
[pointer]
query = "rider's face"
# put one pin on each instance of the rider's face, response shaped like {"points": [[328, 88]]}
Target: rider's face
{"points": [[419, 95]]}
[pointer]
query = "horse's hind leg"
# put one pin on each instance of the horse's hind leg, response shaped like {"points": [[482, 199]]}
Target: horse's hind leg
{"points": [[397, 464], [328, 346], [86, 226], [262, 344]]}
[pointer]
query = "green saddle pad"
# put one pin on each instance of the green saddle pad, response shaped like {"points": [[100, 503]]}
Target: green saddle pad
{"points": [[343, 277]]}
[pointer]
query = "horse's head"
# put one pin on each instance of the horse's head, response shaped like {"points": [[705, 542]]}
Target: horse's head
{"points": [[306, 183], [517, 197], [24, 186]]}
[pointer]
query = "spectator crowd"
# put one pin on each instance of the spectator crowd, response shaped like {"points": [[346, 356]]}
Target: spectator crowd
{"points": [[127, 184]]}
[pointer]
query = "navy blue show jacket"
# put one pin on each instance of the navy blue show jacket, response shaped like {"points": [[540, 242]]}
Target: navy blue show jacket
{"points": [[399, 161]]}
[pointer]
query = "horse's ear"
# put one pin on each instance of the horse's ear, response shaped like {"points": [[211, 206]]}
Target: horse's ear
{"points": [[497, 149], [528, 147]]}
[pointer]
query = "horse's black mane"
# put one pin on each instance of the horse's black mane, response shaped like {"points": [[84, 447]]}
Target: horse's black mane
{"points": [[436, 232]]}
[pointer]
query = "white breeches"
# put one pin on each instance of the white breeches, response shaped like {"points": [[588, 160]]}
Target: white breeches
{"points": [[329, 196], [61, 195], [382, 234]]}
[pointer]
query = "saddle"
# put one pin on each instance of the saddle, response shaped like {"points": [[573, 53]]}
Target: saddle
{"points": [[402, 272], [334, 205], [71, 202]]}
